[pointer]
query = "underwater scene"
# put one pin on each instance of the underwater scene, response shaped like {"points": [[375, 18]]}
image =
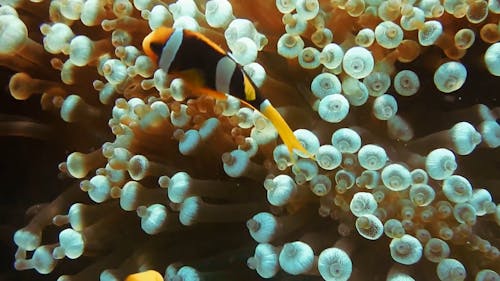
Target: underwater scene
{"points": [[193, 140]]}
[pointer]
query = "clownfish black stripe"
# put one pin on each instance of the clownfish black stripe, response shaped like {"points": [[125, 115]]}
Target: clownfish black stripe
{"points": [[204, 65]]}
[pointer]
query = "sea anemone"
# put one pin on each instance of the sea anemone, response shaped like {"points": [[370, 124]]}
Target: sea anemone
{"points": [[394, 101]]}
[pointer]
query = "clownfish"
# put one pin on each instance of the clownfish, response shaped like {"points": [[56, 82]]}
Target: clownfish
{"points": [[150, 275], [209, 70]]}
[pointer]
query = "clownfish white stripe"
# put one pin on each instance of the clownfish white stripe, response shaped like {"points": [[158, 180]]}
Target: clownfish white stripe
{"points": [[230, 55], [223, 74], [171, 48]]}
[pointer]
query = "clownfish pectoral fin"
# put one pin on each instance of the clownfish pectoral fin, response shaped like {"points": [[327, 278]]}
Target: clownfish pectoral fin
{"points": [[196, 91], [195, 83], [150, 275], [286, 134], [194, 76]]}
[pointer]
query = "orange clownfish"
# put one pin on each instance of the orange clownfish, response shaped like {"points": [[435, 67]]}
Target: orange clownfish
{"points": [[209, 70], [150, 275]]}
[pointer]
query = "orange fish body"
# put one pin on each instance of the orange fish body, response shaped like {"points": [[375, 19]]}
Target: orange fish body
{"points": [[149, 275]]}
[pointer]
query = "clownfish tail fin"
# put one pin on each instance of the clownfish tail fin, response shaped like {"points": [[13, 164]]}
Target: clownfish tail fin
{"points": [[284, 131], [150, 275]]}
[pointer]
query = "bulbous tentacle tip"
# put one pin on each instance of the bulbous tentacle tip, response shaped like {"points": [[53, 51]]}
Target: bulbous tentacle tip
{"points": [[304, 153]]}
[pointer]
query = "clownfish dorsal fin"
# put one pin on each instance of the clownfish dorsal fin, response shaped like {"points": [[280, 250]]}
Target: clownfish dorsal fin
{"points": [[205, 40]]}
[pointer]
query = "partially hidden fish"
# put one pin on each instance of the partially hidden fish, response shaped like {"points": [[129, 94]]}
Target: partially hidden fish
{"points": [[209, 70]]}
